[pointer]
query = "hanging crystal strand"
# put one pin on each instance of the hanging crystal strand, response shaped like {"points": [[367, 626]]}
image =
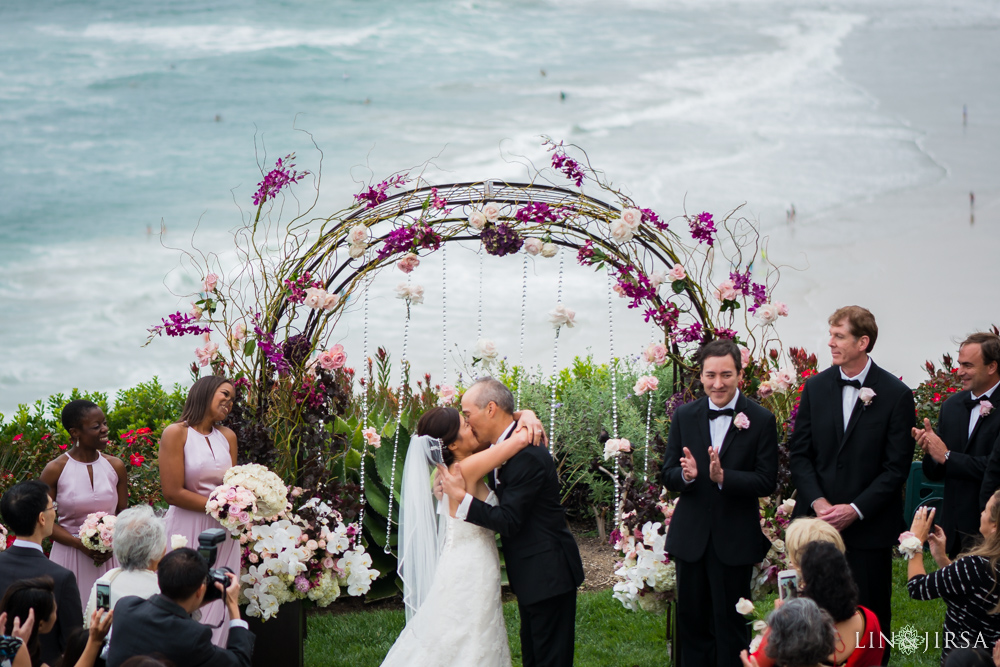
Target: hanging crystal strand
{"points": [[555, 365], [399, 421], [444, 313], [649, 418], [479, 320], [524, 307], [614, 393], [364, 417]]}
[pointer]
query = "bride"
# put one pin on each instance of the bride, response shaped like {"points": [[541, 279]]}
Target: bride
{"points": [[450, 568]]}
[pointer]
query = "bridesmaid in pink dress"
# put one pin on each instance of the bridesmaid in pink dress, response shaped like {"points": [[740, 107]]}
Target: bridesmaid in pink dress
{"points": [[84, 480], [195, 453]]}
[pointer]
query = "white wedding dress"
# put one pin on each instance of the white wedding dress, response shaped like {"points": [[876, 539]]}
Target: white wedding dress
{"points": [[460, 622]]}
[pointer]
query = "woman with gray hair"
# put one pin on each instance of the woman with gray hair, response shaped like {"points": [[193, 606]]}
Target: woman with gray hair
{"points": [[801, 635], [140, 541]]}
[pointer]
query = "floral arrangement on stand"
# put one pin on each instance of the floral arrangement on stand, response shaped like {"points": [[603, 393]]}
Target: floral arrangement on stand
{"points": [[647, 577]]}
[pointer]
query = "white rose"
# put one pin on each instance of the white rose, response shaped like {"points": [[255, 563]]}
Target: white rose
{"points": [[549, 250], [767, 314], [744, 607], [632, 217], [358, 235], [788, 506], [178, 542], [621, 232], [486, 349], [492, 212], [357, 250], [562, 316], [315, 296], [657, 278], [477, 219], [532, 246]]}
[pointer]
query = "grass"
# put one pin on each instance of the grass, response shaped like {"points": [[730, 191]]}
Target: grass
{"points": [[606, 634]]}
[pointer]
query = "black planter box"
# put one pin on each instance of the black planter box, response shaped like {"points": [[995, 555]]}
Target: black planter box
{"points": [[281, 640]]}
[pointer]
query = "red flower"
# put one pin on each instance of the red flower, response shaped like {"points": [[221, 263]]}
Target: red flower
{"points": [[952, 390], [63, 446], [46, 437], [136, 459], [143, 431], [937, 398], [18, 437], [125, 435]]}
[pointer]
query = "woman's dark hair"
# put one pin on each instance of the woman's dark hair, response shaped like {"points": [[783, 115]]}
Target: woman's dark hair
{"points": [[200, 398], [443, 424], [23, 596], [75, 646], [827, 580], [72, 414]]}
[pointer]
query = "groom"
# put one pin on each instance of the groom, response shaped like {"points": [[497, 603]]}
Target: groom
{"points": [[543, 562]]}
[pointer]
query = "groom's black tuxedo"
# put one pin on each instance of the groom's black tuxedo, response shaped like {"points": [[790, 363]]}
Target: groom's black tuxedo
{"points": [[963, 471], [715, 536], [543, 561], [865, 463]]}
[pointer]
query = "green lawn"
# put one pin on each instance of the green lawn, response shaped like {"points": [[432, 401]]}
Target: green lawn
{"points": [[606, 634]]}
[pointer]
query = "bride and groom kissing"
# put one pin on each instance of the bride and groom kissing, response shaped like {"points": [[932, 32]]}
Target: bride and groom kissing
{"points": [[492, 477]]}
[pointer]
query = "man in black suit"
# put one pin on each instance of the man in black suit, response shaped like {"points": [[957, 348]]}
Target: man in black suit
{"points": [[960, 449], [722, 455], [30, 513], [850, 454], [162, 625], [543, 561]]}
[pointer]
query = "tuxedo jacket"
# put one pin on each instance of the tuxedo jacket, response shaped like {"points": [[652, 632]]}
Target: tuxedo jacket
{"points": [[161, 626], [730, 515], [18, 563], [965, 468], [865, 463], [540, 553]]}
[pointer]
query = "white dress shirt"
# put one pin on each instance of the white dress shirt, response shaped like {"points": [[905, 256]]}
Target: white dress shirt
{"points": [[27, 544], [850, 397], [717, 429], [974, 416], [463, 508]]}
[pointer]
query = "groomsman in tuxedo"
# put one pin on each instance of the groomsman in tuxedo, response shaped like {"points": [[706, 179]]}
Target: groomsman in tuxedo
{"points": [[722, 455], [850, 454], [960, 449]]}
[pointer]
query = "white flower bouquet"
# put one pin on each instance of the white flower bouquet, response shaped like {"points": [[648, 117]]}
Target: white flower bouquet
{"points": [[232, 506], [270, 492], [96, 531]]}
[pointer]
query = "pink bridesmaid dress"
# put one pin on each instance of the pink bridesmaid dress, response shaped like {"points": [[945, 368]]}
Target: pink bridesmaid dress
{"points": [[77, 496], [206, 460]]}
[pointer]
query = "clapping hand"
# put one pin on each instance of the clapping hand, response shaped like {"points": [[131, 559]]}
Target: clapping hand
{"points": [[714, 466], [689, 467], [930, 442]]}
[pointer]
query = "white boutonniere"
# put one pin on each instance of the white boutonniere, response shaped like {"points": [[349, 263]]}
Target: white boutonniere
{"points": [[866, 395], [741, 421], [985, 408]]}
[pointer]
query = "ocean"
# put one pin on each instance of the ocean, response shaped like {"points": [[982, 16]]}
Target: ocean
{"points": [[119, 118]]}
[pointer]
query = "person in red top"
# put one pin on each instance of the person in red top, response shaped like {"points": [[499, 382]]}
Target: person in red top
{"points": [[826, 579]]}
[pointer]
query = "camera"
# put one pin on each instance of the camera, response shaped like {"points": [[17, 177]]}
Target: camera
{"points": [[208, 546]]}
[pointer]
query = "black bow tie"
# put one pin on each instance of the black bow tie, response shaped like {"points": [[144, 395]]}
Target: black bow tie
{"points": [[973, 402], [849, 383], [725, 412]]}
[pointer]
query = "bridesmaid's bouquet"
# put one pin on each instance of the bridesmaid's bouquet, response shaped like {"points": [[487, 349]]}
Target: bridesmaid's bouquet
{"points": [[232, 506], [270, 492], [96, 531]]}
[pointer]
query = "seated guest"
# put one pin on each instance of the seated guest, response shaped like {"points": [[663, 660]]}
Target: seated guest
{"points": [[30, 514], [968, 586], [825, 578], [802, 635], [140, 539], [162, 625], [31, 598]]}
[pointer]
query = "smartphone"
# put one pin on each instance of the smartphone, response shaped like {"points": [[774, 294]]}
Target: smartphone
{"points": [[788, 584], [104, 596]]}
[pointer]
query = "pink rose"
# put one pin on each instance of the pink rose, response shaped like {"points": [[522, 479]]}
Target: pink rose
{"points": [[408, 262], [230, 493], [333, 358], [765, 390], [357, 235], [372, 436], [238, 332], [312, 545], [477, 219], [330, 301], [677, 273], [656, 353], [492, 212], [767, 313], [211, 281], [867, 394], [744, 356], [632, 217], [645, 383], [726, 291], [741, 421], [532, 246], [315, 297], [619, 290], [446, 394], [327, 563], [782, 308], [621, 232], [196, 311], [985, 408], [206, 354]]}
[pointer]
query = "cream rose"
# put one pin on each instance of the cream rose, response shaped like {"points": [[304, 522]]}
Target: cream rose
{"points": [[621, 232], [358, 235], [492, 212], [767, 314], [533, 246], [477, 219], [550, 250], [356, 250]]}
